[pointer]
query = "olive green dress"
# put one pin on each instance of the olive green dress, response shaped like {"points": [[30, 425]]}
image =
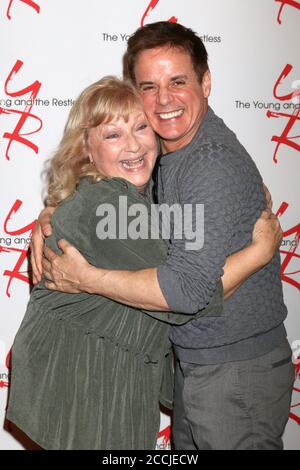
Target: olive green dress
{"points": [[88, 372]]}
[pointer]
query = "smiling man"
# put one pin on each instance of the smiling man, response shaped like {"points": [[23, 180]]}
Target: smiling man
{"points": [[234, 373], [176, 102]]}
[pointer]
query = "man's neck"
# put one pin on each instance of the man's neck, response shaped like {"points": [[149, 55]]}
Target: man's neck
{"points": [[169, 146]]}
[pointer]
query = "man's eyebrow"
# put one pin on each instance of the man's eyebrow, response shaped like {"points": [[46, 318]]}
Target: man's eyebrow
{"points": [[179, 76], [145, 83], [172, 79]]}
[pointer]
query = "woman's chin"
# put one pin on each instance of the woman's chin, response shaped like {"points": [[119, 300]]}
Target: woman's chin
{"points": [[138, 179]]}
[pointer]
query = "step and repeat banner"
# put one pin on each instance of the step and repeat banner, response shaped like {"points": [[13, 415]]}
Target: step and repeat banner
{"points": [[52, 49]]}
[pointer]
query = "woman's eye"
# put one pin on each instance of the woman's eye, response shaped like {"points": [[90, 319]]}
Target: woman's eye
{"points": [[142, 127], [112, 136]]}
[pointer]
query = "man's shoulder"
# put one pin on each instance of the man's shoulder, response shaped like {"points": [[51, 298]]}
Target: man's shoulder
{"points": [[207, 156], [216, 145], [214, 164]]}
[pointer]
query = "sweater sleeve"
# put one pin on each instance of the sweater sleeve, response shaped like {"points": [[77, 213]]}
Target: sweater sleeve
{"points": [[210, 196]]}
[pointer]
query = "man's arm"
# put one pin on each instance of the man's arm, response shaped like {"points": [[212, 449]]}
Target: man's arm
{"points": [[70, 272], [43, 229]]}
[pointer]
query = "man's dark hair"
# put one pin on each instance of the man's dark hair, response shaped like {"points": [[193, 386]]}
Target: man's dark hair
{"points": [[165, 33]]}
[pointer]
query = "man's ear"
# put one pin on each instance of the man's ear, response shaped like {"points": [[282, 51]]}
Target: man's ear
{"points": [[206, 83]]}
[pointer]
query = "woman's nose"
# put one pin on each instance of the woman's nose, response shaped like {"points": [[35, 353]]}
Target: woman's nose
{"points": [[132, 144]]}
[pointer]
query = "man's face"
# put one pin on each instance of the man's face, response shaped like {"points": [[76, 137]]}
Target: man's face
{"points": [[174, 100]]}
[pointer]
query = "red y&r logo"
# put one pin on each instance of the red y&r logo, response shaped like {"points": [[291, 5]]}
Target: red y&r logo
{"points": [[291, 3], [30, 3], [16, 135], [151, 7], [285, 138], [166, 435], [16, 272]]}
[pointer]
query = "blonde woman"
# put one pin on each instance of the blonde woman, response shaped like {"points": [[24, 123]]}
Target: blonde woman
{"points": [[87, 371]]}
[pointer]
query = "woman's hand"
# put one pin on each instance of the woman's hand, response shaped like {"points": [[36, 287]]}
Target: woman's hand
{"points": [[268, 197], [266, 236], [42, 229]]}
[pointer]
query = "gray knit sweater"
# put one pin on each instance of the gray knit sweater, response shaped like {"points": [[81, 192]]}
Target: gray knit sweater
{"points": [[216, 170]]}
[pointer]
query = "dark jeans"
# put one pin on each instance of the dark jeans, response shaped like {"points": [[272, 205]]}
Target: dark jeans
{"points": [[234, 406]]}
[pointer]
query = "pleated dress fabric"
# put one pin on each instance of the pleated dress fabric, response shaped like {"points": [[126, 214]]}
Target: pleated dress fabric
{"points": [[88, 372]]}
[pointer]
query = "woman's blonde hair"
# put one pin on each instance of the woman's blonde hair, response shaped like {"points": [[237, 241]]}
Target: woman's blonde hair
{"points": [[100, 102]]}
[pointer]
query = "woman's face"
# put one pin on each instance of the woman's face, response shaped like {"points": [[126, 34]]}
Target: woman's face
{"points": [[124, 149]]}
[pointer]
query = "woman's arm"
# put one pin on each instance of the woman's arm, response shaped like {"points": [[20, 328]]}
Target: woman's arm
{"points": [[266, 239]]}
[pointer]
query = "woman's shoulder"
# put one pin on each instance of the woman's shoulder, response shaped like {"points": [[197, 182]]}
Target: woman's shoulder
{"points": [[88, 192], [103, 186], [107, 190], [82, 205]]}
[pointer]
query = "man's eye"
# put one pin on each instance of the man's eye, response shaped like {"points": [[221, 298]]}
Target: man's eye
{"points": [[179, 82]]}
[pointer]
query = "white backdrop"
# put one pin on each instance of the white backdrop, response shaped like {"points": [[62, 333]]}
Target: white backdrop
{"points": [[51, 50]]}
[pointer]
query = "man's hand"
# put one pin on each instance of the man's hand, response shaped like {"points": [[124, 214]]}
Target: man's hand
{"points": [[42, 229], [66, 272], [266, 236]]}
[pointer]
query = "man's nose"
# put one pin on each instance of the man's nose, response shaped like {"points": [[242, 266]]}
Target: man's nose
{"points": [[164, 96]]}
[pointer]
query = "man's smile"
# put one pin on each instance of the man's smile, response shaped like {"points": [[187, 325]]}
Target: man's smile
{"points": [[171, 114]]}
